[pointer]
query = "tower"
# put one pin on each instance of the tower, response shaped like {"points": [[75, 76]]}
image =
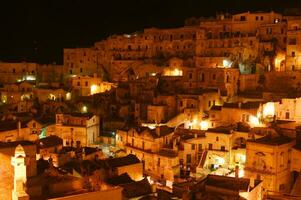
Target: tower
{"points": [[18, 161]]}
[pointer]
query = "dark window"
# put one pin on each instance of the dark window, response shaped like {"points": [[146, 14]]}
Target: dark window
{"points": [[261, 18], [81, 70], [293, 54], [14, 70], [86, 83], [217, 139], [193, 147], [281, 187], [210, 147], [190, 75], [242, 18], [203, 77], [77, 144], [158, 163], [213, 76], [200, 147], [223, 148], [188, 158], [78, 83], [287, 115]]}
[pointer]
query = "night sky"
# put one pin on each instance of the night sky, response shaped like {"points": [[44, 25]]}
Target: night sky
{"points": [[38, 30]]}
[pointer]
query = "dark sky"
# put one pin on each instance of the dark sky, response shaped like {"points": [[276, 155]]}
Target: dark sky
{"points": [[38, 30]]}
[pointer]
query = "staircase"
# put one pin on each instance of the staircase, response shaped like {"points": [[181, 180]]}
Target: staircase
{"points": [[203, 159]]}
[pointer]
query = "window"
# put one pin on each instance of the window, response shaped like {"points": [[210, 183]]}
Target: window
{"points": [[133, 141], [70, 71], [190, 75], [158, 162], [214, 76], [210, 146], [78, 83], [34, 125], [293, 54], [81, 70], [14, 70], [287, 115], [188, 158], [261, 18], [143, 145], [256, 18], [181, 103], [209, 104], [281, 187], [77, 144], [223, 148], [227, 78], [192, 146], [200, 147], [242, 18], [86, 83], [203, 77], [217, 139]]}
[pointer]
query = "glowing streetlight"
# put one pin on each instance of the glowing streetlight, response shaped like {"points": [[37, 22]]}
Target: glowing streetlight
{"points": [[84, 109], [204, 125], [93, 89]]}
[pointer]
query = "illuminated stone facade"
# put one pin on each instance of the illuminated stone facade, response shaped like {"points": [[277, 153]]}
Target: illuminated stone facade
{"points": [[77, 130], [268, 160]]}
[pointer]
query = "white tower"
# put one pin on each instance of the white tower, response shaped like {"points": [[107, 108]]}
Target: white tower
{"points": [[18, 161]]}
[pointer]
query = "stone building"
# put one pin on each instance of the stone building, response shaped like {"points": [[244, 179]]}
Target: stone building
{"points": [[268, 160], [77, 129], [154, 148]]}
